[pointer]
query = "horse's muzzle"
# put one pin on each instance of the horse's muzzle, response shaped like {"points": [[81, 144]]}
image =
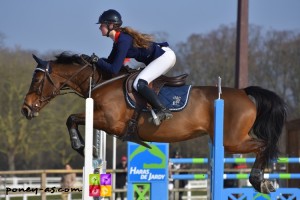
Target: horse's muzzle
{"points": [[28, 112]]}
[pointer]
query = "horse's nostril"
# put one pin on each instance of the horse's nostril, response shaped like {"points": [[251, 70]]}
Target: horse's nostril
{"points": [[25, 111]]}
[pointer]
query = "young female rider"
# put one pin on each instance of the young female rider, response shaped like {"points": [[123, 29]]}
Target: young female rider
{"points": [[128, 43]]}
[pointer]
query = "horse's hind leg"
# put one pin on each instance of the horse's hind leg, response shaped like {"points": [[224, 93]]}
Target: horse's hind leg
{"points": [[77, 141], [256, 177]]}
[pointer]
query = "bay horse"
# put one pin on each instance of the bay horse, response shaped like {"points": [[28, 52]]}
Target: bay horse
{"points": [[253, 116]]}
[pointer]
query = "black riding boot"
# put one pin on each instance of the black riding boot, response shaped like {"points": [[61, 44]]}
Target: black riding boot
{"points": [[163, 113]]}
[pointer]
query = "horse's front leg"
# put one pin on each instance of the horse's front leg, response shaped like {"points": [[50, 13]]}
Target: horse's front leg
{"points": [[77, 141]]}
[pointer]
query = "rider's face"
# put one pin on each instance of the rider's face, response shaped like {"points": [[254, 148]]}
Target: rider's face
{"points": [[103, 28]]}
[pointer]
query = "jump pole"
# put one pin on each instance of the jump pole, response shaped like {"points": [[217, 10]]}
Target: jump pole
{"points": [[88, 150], [217, 172]]}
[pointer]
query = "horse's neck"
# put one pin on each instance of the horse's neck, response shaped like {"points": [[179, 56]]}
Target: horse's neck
{"points": [[94, 78], [119, 80], [78, 77]]}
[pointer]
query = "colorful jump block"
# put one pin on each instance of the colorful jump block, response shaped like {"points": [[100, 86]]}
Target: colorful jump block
{"points": [[105, 190], [105, 179], [94, 190], [100, 185], [94, 179]]}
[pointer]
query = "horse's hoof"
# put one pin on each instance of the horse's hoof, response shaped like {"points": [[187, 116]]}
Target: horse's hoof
{"points": [[266, 187], [95, 152], [77, 145]]}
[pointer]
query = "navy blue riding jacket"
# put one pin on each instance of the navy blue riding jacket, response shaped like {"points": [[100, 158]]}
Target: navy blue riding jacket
{"points": [[123, 48]]}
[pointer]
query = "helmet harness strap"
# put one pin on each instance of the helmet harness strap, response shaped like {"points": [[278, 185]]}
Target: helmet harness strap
{"points": [[109, 30]]}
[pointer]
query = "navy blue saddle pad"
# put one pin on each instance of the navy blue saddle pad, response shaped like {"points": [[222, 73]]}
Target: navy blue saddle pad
{"points": [[174, 98]]}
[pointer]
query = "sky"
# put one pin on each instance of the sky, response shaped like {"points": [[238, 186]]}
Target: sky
{"points": [[69, 25]]}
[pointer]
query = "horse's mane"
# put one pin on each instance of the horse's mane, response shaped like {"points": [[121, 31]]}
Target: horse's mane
{"points": [[68, 58]]}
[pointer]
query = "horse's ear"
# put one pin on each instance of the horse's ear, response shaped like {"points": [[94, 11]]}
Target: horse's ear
{"points": [[35, 58], [41, 64], [38, 60]]}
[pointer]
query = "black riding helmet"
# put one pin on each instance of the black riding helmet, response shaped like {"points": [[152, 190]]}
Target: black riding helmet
{"points": [[110, 17]]}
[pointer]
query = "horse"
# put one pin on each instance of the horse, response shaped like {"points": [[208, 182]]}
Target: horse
{"points": [[253, 117]]}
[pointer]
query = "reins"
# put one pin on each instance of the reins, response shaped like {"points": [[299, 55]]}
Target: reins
{"points": [[63, 86], [57, 90], [109, 81]]}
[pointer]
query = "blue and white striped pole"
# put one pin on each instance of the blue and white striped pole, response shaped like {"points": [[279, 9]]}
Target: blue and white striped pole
{"points": [[235, 176], [231, 160]]}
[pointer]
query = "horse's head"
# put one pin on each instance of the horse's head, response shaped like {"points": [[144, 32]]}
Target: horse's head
{"points": [[50, 77]]}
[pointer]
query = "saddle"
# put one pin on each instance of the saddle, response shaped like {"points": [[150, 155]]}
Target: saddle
{"points": [[155, 85], [132, 131]]}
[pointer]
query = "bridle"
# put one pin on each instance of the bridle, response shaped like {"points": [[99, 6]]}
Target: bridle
{"points": [[57, 91]]}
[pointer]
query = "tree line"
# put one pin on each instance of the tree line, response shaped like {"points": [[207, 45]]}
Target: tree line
{"points": [[274, 63]]}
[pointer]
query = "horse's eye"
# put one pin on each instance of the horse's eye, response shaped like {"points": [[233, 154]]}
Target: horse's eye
{"points": [[36, 80]]}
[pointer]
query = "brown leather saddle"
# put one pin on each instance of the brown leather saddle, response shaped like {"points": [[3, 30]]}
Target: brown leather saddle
{"points": [[132, 131]]}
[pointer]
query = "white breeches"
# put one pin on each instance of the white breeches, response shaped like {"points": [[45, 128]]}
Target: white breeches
{"points": [[157, 67]]}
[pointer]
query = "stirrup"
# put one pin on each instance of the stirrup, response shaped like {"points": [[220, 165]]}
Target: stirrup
{"points": [[162, 115]]}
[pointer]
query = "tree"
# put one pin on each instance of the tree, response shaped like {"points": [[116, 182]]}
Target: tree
{"points": [[206, 56], [27, 141], [2, 37], [275, 65], [14, 131], [273, 60]]}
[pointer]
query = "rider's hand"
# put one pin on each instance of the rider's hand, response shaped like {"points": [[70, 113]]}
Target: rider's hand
{"points": [[91, 59], [94, 58]]}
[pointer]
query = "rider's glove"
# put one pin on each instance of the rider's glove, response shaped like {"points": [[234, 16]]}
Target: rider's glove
{"points": [[91, 59], [94, 58]]}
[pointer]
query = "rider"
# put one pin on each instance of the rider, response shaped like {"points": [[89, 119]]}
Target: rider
{"points": [[129, 43]]}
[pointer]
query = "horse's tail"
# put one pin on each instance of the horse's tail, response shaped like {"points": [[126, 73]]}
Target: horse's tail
{"points": [[270, 119]]}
